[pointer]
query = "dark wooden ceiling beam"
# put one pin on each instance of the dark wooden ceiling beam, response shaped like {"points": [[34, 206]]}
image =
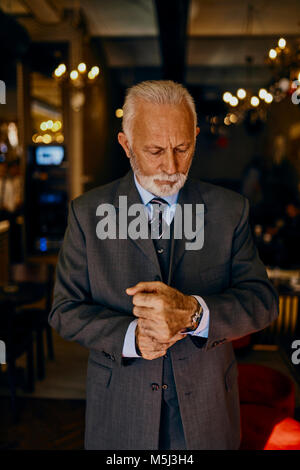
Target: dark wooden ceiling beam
{"points": [[44, 11], [172, 16]]}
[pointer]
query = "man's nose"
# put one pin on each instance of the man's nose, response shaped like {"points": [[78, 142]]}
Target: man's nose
{"points": [[169, 164]]}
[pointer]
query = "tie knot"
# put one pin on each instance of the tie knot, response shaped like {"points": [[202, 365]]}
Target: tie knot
{"points": [[158, 200]]}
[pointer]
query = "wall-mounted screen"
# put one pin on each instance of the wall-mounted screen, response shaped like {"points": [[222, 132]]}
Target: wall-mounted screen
{"points": [[49, 155]]}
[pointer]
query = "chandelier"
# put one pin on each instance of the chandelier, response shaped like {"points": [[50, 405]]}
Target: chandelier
{"points": [[79, 77], [284, 62]]}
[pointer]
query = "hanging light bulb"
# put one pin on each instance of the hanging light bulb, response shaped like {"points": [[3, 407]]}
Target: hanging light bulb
{"points": [[119, 113], [241, 93], [272, 54], [56, 126], [282, 43], [227, 96], [47, 139], [82, 67], [262, 93], [268, 98], [254, 101], [74, 75], [60, 70], [95, 70], [234, 101], [233, 118]]}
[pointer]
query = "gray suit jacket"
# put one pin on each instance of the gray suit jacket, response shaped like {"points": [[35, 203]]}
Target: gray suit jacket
{"points": [[91, 307]]}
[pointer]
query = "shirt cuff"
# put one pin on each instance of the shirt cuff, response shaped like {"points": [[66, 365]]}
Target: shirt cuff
{"points": [[129, 341], [202, 328]]}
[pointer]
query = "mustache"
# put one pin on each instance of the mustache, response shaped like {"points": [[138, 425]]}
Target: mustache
{"points": [[165, 177]]}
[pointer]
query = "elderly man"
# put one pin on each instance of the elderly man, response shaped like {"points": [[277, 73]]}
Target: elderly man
{"points": [[159, 318]]}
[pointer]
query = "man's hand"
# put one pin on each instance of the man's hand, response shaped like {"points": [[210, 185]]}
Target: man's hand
{"points": [[162, 311], [150, 348]]}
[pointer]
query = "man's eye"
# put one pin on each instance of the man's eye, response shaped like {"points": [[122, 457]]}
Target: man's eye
{"points": [[181, 150], [155, 152]]}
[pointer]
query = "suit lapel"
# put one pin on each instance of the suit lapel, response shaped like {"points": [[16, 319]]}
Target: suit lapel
{"points": [[128, 188], [189, 194]]}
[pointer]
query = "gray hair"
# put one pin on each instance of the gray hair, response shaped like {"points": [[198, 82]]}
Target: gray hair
{"points": [[157, 92]]}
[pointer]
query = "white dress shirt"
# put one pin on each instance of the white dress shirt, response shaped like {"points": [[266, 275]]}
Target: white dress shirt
{"points": [[168, 214]]}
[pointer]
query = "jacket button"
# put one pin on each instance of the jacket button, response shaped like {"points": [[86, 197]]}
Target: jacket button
{"points": [[165, 386], [160, 251], [154, 387]]}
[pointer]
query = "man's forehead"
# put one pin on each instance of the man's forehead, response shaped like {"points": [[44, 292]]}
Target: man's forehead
{"points": [[160, 116]]}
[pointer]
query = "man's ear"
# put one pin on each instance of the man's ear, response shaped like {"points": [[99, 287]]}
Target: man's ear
{"points": [[123, 141]]}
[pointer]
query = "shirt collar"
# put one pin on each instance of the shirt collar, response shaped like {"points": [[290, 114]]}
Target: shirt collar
{"points": [[147, 196]]}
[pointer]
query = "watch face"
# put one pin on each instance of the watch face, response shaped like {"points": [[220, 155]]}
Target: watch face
{"points": [[197, 317]]}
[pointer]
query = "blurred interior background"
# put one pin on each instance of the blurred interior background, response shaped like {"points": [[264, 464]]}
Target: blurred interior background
{"points": [[64, 70]]}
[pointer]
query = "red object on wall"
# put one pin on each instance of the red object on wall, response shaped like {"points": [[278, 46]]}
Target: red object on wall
{"points": [[263, 385], [241, 342], [222, 142], [285, 436], [267, 400], [265, 428]]}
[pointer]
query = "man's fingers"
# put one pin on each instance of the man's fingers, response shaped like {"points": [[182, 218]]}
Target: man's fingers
{"points": [[154, 286], [142, 299], [148, 325], [178, 336], [153, 300], [153, 349], [149, 348], [142, 312], [158, 334]]}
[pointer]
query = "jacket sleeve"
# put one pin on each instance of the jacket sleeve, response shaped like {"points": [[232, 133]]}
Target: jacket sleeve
{"points": [[251, 302], [74, 314]]}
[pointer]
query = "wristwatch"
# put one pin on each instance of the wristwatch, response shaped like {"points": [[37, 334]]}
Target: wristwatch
{"points": [[196, 318]]}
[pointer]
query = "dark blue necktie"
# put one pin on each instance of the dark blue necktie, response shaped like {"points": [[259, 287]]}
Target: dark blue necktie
{"points": [[157, 222]]}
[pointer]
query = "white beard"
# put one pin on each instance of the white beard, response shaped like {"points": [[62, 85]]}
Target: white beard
{"points": [[178, 179]]}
